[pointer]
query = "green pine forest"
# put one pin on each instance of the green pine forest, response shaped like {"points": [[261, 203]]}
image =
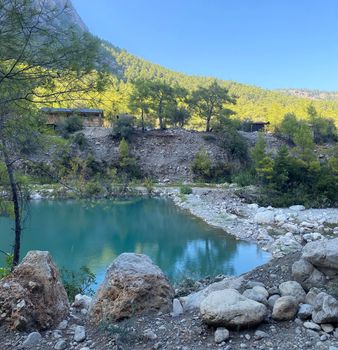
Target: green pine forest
{"points": [[252, 102]]}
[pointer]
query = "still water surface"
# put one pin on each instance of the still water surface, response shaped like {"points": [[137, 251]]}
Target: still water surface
{"points": [[80, 233]]}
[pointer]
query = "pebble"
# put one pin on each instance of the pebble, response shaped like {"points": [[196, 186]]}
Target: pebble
{"points": [[312, 325], [221, 335], [60, 345], [63, 325], [79, 334], [149, 334], [32, 340], [260, 335], [327, 327]]}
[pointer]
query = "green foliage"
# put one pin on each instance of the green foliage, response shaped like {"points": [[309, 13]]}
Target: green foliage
{"points": [[245, 177], [184, 189], [6, 269], [288, 178], [80, 140], [235, 145], [201, 165], [127, 163], [324, 129], [149, 185], [91, 189], [208, 102], [124, 126], [78, 282], [70, 125]]}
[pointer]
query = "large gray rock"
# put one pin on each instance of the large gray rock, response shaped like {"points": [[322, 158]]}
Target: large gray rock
{"points": [[133, 284], [32, 341], [193, 301], [229, 308], [305, 311], [307, 275], [33, 296], [325, 309], [285, 308], [294, 289], [284, 245], [311, 295], [264, 217], [257, 293], [322, 254]]}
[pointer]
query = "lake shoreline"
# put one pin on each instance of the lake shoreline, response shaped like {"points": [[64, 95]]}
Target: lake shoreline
{"points": [[279, 231]]}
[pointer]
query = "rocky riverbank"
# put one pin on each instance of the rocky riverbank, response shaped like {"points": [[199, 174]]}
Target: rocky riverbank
{"points": [[272, 307], [278, 230]]}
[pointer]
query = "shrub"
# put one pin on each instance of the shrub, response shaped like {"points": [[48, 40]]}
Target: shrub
{"points": [[80, 140], [184, 189], [244, 178], [6, 269], [70, 125], [92, 189], [235, 145], [78, 282], [124, 127], [201, 165], [149, 185]]}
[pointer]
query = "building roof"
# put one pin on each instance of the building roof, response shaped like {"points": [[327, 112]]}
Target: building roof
{"points": [[71, 110]]}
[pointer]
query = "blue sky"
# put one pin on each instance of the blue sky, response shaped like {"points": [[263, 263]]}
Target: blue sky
{"points": [[268, 43]]}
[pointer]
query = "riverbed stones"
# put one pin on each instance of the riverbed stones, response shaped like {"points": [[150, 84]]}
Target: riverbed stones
{"points": [[322, 254], [79, 334], [229, 308], [33, 296], [133, 285], [177, 308], [305, 311], [32, 341], [325, 309], [194, 300], [285, 308], [264, 217], [307, 275], [257, 293], [294, 289], [221, 335]]}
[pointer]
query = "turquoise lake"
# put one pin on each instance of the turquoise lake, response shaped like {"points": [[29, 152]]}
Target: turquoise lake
{"points": [[80, 233]]}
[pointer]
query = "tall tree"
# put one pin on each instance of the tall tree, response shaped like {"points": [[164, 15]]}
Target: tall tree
{"points": [[139, 100], [42, 61], [209, 102]]}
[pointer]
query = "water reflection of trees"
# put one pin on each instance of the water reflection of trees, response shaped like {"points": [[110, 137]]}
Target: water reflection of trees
{"points": [[182, 246]]}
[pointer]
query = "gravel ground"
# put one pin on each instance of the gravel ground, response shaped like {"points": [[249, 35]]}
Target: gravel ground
{"points": [[185, 332]]}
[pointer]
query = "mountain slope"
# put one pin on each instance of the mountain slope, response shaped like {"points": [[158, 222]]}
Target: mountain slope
{"points": [[253, 102]]}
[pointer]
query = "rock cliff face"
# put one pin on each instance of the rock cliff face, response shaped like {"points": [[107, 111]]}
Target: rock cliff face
{"points": [[68, 15]]}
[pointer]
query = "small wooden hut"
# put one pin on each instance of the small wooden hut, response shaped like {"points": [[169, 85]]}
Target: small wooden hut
{"points": [[91, 117]]}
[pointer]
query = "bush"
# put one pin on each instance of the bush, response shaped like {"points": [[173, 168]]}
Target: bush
{"points": [[70, 125], [201, 165], [124, 127], [92, 189], [184, 189], [80, 140], [235, 145], [6, 270], [244, 178], [79, 282]]}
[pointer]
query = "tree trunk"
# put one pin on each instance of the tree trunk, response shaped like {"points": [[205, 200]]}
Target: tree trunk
{"points": [[207, 129], [142, 119], [160, 117], [15, 200]]}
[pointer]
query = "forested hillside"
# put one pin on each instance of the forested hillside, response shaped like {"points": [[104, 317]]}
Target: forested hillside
{"points": [[124, 69], [252, 102]]}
